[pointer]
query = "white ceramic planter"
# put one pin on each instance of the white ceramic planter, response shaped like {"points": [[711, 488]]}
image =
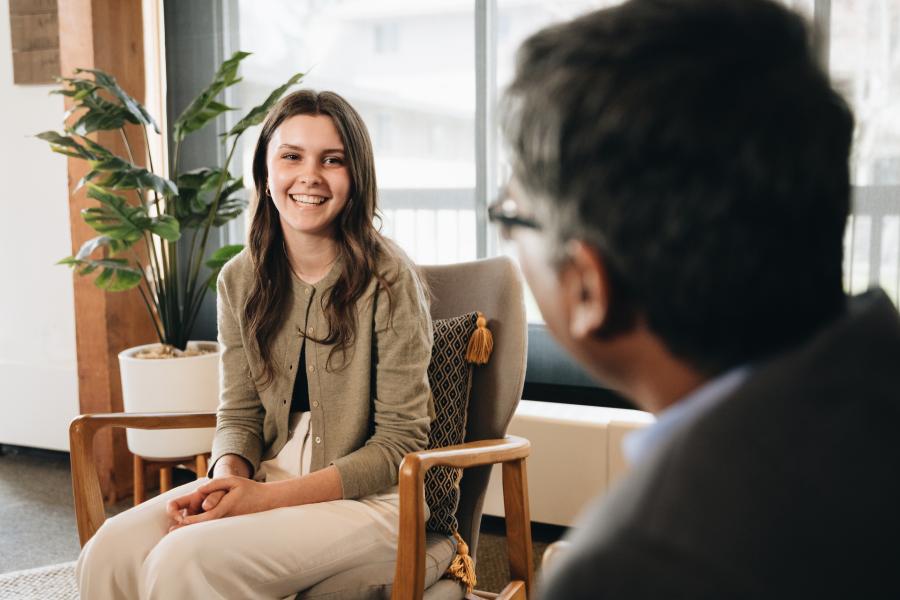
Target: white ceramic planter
{"points": [[189, 384]]}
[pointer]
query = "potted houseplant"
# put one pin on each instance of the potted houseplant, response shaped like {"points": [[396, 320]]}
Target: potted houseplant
{"points": [[169, 215]]}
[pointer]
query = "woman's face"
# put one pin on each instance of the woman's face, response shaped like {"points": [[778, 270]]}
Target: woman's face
{"points": [[308, 176]]}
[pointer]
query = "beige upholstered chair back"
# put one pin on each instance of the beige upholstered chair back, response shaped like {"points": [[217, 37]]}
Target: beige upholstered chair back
{"points": [[494, 287]]}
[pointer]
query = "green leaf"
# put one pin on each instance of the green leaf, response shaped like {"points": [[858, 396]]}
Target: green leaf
{"points": [[211, 111], [115, 217], [166, 227], [63, 144], [197, 189], [116, 274], [196, 178], [82, 147], [205, 106], [96, 149], [230, 206], [222, 255], [218, 260], [103, 241], [118, 174], [78, 87], [258, 113], [137, 111], [99, 112], [100, 115]]}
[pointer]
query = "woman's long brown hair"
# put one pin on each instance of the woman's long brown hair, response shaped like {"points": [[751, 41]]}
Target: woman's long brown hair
{"points": [[360, 245]]}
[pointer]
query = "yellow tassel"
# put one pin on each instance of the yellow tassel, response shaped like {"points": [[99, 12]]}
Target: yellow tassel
{"points": [[462, 568], [481, 343]]}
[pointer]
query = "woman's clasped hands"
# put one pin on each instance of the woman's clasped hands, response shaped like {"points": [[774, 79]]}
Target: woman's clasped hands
{"points": [[221, 497]]}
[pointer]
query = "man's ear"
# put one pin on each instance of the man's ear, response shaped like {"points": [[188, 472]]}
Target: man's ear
{"points": [[586, 289]]}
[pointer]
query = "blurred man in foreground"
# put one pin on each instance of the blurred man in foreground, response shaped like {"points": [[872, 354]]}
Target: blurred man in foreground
{"points": [[679, 195]]}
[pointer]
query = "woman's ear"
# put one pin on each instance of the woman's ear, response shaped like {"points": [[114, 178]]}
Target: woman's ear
{"points": [[586, 290]]}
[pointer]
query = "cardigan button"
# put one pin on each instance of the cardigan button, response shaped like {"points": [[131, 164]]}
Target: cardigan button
{"points": [[306, 291], [310, 330], [315, 404], [318, 440], [312, 368]]}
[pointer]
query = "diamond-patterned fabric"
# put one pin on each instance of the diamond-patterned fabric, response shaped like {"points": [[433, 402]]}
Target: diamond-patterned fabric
{"points": [[451, 380]]}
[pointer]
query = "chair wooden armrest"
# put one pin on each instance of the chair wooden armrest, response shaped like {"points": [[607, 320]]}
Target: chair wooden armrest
{"points": [[511, 451], [89, 511], [409, 582]]}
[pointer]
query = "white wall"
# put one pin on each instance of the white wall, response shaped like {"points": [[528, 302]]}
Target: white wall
{"points": [[38, 372]]}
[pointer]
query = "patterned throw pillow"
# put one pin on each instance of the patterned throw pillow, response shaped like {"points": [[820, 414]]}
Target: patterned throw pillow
{"points": [[451, 380]]}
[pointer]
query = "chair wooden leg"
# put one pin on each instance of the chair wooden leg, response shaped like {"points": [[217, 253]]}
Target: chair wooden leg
{"points": [[165, 478], [138, 479], [518, 523], [202, 466]]}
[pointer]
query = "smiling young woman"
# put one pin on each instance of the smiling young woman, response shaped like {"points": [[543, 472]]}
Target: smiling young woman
{"points": [[326, 340], [309, 184]]}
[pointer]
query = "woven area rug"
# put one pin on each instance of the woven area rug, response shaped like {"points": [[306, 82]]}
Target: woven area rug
{"points": [[53, 581]]}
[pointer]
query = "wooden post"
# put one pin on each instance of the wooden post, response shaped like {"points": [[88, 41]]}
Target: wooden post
{"points": [[518, 523], [108, 35], [202, 465], [138, 479], [34, 30]]}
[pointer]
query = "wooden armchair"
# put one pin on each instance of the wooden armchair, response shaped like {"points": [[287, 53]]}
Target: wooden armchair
{"points": [[492, 286]]}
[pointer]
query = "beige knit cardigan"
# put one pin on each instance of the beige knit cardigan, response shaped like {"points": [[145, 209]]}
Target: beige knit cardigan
{"points": [[369, 406]]}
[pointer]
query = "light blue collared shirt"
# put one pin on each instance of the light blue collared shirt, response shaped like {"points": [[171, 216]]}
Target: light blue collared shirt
{"points": [[639, 443]]}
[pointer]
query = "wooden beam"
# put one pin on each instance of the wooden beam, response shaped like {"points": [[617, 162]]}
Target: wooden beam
{"points": [[34, 32], [108, 35]]}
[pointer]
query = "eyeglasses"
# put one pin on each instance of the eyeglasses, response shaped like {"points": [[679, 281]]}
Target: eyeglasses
{"points": [[505, 212]]}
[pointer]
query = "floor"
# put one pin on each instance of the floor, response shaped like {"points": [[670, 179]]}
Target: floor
{"points": [[37, 518], [37, 521]]}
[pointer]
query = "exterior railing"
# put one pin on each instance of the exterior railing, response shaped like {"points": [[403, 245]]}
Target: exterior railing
{"points": [[435, 226], [872, 241]]}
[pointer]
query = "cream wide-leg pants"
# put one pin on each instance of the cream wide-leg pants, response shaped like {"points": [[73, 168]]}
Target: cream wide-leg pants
{"points": [[273, 554]]}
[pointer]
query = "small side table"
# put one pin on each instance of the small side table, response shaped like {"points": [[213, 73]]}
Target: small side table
{"points": [[200, 464]]}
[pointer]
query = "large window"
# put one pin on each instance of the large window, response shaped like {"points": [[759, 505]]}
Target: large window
{"points": [[408, 68], [426, 76], [864, 61]]}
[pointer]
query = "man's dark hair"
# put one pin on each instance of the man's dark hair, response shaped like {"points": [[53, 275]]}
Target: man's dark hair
{"points": [[701, 149]]}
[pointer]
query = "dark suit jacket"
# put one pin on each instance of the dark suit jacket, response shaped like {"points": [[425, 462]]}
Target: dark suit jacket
{"points": [[788, 488]]}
